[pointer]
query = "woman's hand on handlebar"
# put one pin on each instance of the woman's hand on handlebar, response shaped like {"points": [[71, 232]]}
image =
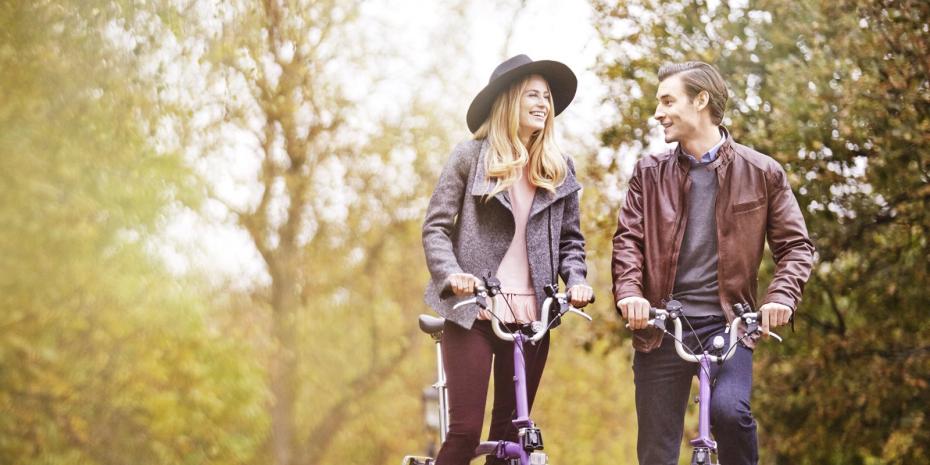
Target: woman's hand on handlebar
{"points": [[580, 295], [635, 310], [463, 284]]}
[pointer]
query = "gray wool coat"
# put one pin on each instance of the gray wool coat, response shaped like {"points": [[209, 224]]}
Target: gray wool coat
{"points": [[463, 232]]}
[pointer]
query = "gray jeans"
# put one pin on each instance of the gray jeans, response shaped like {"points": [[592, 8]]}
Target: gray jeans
{"points": [[663, 384]]}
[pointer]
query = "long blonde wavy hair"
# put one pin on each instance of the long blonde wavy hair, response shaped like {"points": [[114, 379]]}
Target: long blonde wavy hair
{"points": [[507, 155]]}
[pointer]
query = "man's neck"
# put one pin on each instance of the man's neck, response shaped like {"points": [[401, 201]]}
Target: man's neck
{"points": [[703, 141]]}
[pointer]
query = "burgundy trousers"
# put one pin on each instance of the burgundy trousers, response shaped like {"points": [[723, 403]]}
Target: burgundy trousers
{"points": [[468, 356]]}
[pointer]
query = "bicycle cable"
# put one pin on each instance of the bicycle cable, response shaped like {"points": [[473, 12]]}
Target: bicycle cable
{"points": [[509, 307], [687, 348], [700, 344], [504, 324], [552, 272], [551, 320], [738, 342], [723, 356]]}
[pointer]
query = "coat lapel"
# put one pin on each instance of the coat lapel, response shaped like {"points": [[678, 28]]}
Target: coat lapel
{"points": [[481, 185], [544, 198]]}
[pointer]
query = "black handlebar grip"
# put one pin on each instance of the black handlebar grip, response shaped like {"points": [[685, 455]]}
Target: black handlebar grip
{"points": [[652, 312]]}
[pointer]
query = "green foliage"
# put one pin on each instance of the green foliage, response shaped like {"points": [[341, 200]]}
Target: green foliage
{"points": [[838, 93], [105, 358]]}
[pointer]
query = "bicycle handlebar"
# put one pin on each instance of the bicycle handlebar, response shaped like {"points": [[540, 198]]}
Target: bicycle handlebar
{"points": [[747, 318], [491, 288]]}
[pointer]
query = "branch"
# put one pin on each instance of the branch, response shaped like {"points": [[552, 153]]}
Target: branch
{"points": [[826, 327], [505, 47], [891, 354], [365, 384], [885, 216], [256, 222], [841, 328]]}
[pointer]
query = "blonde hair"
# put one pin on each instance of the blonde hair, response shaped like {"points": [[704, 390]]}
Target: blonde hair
{"points": [[507, 155]]}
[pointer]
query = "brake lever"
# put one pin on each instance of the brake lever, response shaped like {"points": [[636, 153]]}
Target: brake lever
{"points": [[579, 313], [473, 300], [755, 328]]}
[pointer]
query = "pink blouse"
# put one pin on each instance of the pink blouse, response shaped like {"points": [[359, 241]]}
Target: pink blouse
{"points": [[514, 270]]}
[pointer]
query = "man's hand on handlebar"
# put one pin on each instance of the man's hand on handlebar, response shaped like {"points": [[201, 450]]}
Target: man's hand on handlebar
{"points": [[463, 284], [635, 310], [580, 295], [773, 315]]}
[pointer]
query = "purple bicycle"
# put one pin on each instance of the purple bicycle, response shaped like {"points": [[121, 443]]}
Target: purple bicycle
{"points": [[529, 449], [704, 448]]}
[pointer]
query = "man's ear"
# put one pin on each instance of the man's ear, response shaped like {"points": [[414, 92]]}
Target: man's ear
{"points": [[701, 100]]}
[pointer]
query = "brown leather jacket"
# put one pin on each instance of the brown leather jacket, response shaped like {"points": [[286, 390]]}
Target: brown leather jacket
{"points": [[754, 202]]}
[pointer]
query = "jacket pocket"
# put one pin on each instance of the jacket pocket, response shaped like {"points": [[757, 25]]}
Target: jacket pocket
{"points": [[746, 207]]}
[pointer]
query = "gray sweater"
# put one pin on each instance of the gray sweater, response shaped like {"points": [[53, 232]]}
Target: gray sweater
{"points": [[696, 284]]}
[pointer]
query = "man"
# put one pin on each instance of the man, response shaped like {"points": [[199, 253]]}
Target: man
{"points": [[693, 228]]}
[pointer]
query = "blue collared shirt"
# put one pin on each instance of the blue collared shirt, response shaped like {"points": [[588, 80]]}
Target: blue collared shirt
{"points": [[711, 154]]}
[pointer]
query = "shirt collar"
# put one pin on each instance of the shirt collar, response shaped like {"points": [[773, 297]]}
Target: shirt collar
{"points": [[711, 154]]}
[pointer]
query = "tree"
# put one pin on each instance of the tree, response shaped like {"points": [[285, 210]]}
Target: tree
{"points": [[105, 358], [333, 203], [837, 93]]}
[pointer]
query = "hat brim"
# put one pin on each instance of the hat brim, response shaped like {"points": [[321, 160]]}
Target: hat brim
{"points": [[562, 86]]}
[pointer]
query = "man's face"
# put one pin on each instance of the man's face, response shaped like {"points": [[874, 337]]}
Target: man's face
{"points": [[677, 113]]}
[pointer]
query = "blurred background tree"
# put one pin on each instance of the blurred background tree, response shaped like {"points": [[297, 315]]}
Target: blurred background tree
{"points": [[101, 351], [331, 202], [838, 93]]}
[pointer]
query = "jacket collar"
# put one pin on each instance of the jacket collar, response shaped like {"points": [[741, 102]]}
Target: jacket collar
{"points": [[724, 154], [481, 185]]}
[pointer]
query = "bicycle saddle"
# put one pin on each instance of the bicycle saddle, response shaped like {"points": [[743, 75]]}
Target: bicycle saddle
{"points": [[431, 324]]}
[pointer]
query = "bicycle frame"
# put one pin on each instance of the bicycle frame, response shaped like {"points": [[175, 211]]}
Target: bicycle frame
{"points": [[523, 423], [530, 437], [704, 447], [528, 450]]}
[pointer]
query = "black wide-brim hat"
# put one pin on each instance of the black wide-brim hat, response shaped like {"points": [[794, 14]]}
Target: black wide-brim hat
{"points": [[561, 79]]}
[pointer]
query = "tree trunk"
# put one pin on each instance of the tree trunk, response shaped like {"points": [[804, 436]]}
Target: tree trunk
{"points": [[284, 365]]}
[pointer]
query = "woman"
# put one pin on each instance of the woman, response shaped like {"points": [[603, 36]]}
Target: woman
{"points": [[506, 204]]}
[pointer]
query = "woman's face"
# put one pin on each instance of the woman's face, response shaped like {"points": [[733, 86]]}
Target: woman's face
{"points": [[534, 106]]}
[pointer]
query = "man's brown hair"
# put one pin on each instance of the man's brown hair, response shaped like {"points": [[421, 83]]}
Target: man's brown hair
{"points": [[698, 77]]}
